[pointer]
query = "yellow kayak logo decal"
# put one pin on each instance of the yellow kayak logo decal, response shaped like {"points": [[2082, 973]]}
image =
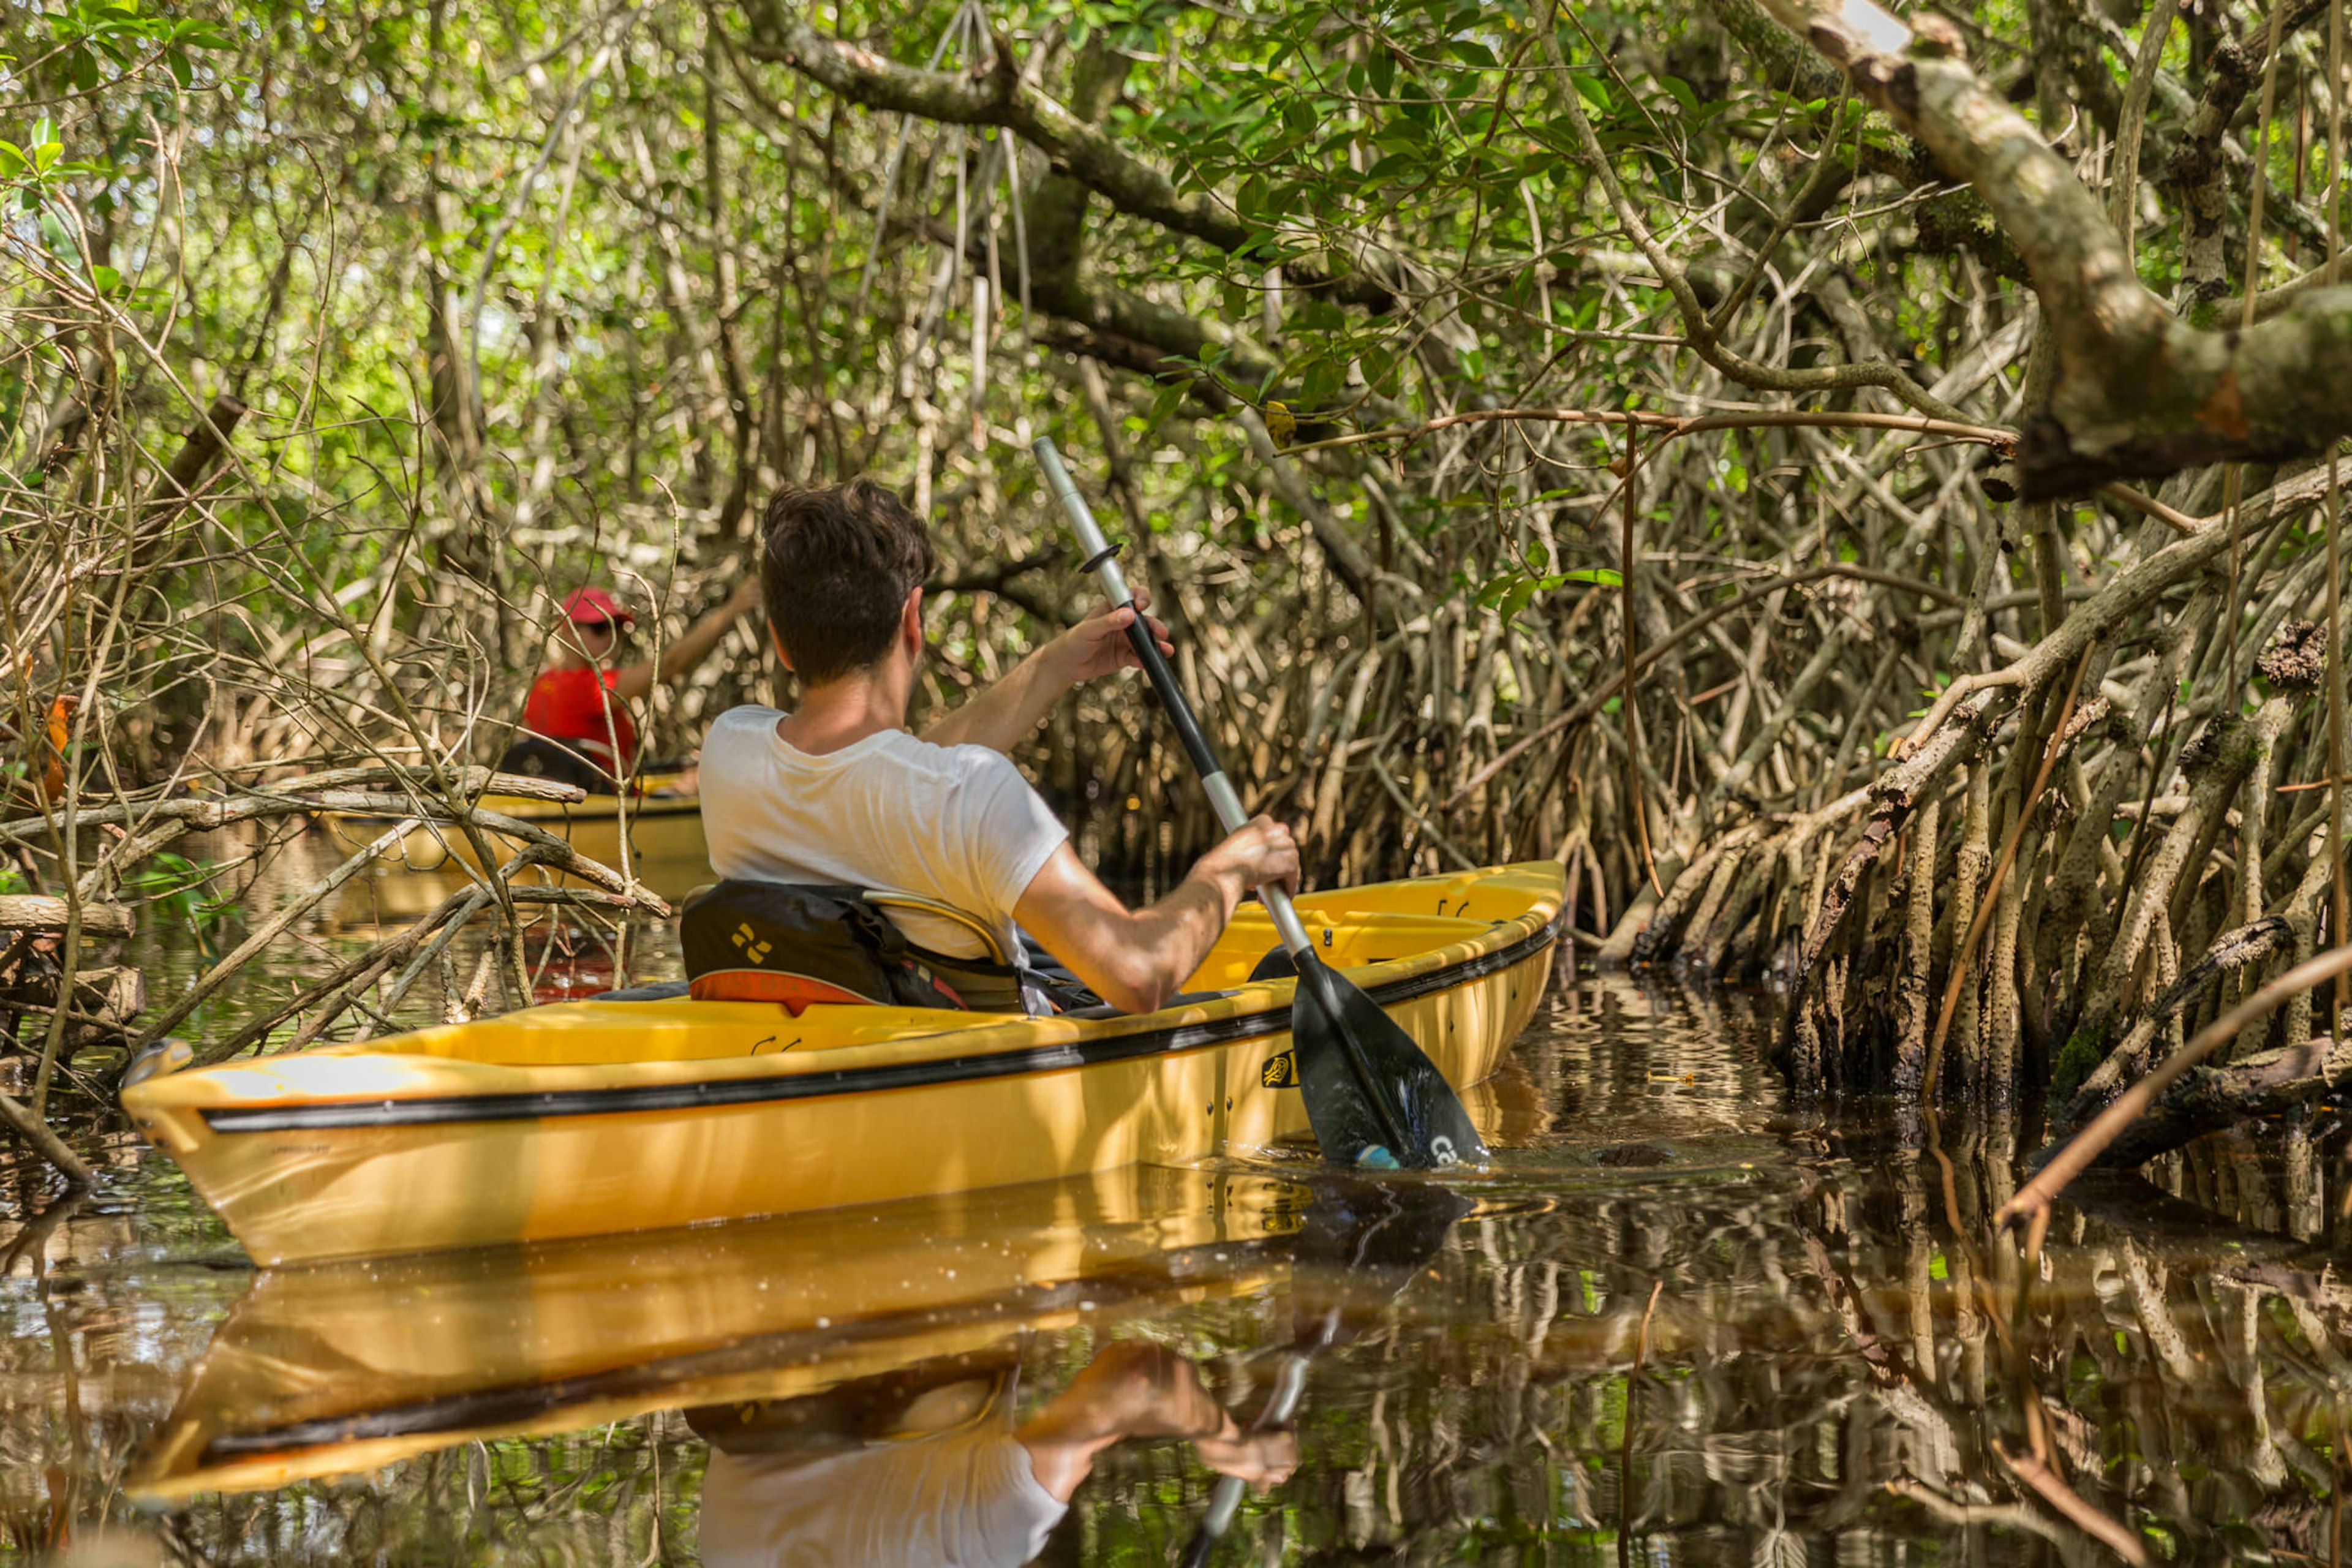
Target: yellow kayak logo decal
{"points": [[1280, 1072], [753, 948]]}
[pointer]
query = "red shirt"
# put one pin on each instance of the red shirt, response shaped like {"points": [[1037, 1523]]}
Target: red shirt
{"points": [[571, 705]]}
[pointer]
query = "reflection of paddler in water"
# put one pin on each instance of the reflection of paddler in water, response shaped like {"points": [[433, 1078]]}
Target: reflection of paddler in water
{"points": [[925, 1468], [576, 724], [908, 1471]]}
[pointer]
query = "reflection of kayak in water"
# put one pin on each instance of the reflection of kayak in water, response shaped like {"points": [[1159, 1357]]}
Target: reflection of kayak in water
{"points": [[932, 1467], [352, 1366], [662, 827], [596, 1116]]}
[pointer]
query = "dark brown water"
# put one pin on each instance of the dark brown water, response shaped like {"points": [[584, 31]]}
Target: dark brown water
{"points": [[1676, 1321]]}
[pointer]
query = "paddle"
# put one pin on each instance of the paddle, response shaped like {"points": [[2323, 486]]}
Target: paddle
{"points": [[1377, 1239], [1373, 1097]]}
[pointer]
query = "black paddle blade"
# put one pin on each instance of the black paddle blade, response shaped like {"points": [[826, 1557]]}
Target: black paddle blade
{"points": [[1367, 1086]]}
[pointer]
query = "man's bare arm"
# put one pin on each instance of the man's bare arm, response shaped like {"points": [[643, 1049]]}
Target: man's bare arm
{"points": [[999, 717], [1137, 959]]}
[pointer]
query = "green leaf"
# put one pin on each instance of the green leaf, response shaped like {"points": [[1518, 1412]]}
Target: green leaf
{"points": [[1162, 406], [13, 162]]}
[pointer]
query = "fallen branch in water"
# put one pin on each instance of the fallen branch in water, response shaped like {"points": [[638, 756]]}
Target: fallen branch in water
{"points": [[351, 974], [2033, 1200], [339, 991], [2208, 1099], [269, 932], [35, 911], [45, 1143], [205, 813]]}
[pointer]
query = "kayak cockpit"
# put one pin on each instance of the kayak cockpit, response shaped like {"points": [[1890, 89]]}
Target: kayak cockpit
{"points": [[1345, 939]]}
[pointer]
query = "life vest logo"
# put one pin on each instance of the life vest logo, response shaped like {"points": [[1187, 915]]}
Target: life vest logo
{"points": [[1280, 1072], [753, 948]]}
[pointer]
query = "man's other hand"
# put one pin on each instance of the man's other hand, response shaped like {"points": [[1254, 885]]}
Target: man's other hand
{"points": [[1098, 646]]}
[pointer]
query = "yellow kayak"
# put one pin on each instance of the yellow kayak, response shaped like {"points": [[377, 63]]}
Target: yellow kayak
{"points": [[353, 1366], [586, 1117]]}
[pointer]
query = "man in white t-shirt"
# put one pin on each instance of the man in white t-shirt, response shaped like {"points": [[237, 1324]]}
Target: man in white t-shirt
{"points": [[838, 792]]}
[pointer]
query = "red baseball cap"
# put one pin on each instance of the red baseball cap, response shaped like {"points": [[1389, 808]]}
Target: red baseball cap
{"points": [[594, 606]]}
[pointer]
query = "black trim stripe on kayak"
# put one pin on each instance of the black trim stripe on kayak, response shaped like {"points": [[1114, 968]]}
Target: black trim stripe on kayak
{"points": [[718, 1092]]}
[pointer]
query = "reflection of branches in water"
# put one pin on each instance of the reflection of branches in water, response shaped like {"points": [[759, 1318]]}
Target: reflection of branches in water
{"points": [[1804, 1384]]}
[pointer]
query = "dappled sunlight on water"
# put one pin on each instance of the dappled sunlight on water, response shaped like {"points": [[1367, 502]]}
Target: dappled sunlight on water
{"points": [[1675, 1319]]}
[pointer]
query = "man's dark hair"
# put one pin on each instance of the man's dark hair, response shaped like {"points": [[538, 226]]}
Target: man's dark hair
{"points": [[839, 562]]}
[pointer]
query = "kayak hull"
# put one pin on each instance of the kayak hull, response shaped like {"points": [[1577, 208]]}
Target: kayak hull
{"points": [[589, 1117]]}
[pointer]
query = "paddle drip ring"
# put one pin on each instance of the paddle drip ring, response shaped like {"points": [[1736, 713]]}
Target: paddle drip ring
{"points": [[1086, 567]]}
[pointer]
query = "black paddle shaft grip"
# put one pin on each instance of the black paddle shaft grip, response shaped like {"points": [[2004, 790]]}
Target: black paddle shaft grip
{"points": [[1172, 696]]}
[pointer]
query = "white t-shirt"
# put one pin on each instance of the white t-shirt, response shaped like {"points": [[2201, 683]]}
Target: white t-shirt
{"points": [[967, 1498], [890, 813]]}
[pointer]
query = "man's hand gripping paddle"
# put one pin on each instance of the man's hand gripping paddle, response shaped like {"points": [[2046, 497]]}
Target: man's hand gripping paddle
{"points": [[1373, 1097]]}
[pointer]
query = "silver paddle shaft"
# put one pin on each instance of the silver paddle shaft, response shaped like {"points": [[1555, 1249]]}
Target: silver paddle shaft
{"points": [[1222, 797]]}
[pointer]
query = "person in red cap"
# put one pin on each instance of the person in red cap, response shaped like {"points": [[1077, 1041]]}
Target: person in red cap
{"points": [[574, 730]]}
